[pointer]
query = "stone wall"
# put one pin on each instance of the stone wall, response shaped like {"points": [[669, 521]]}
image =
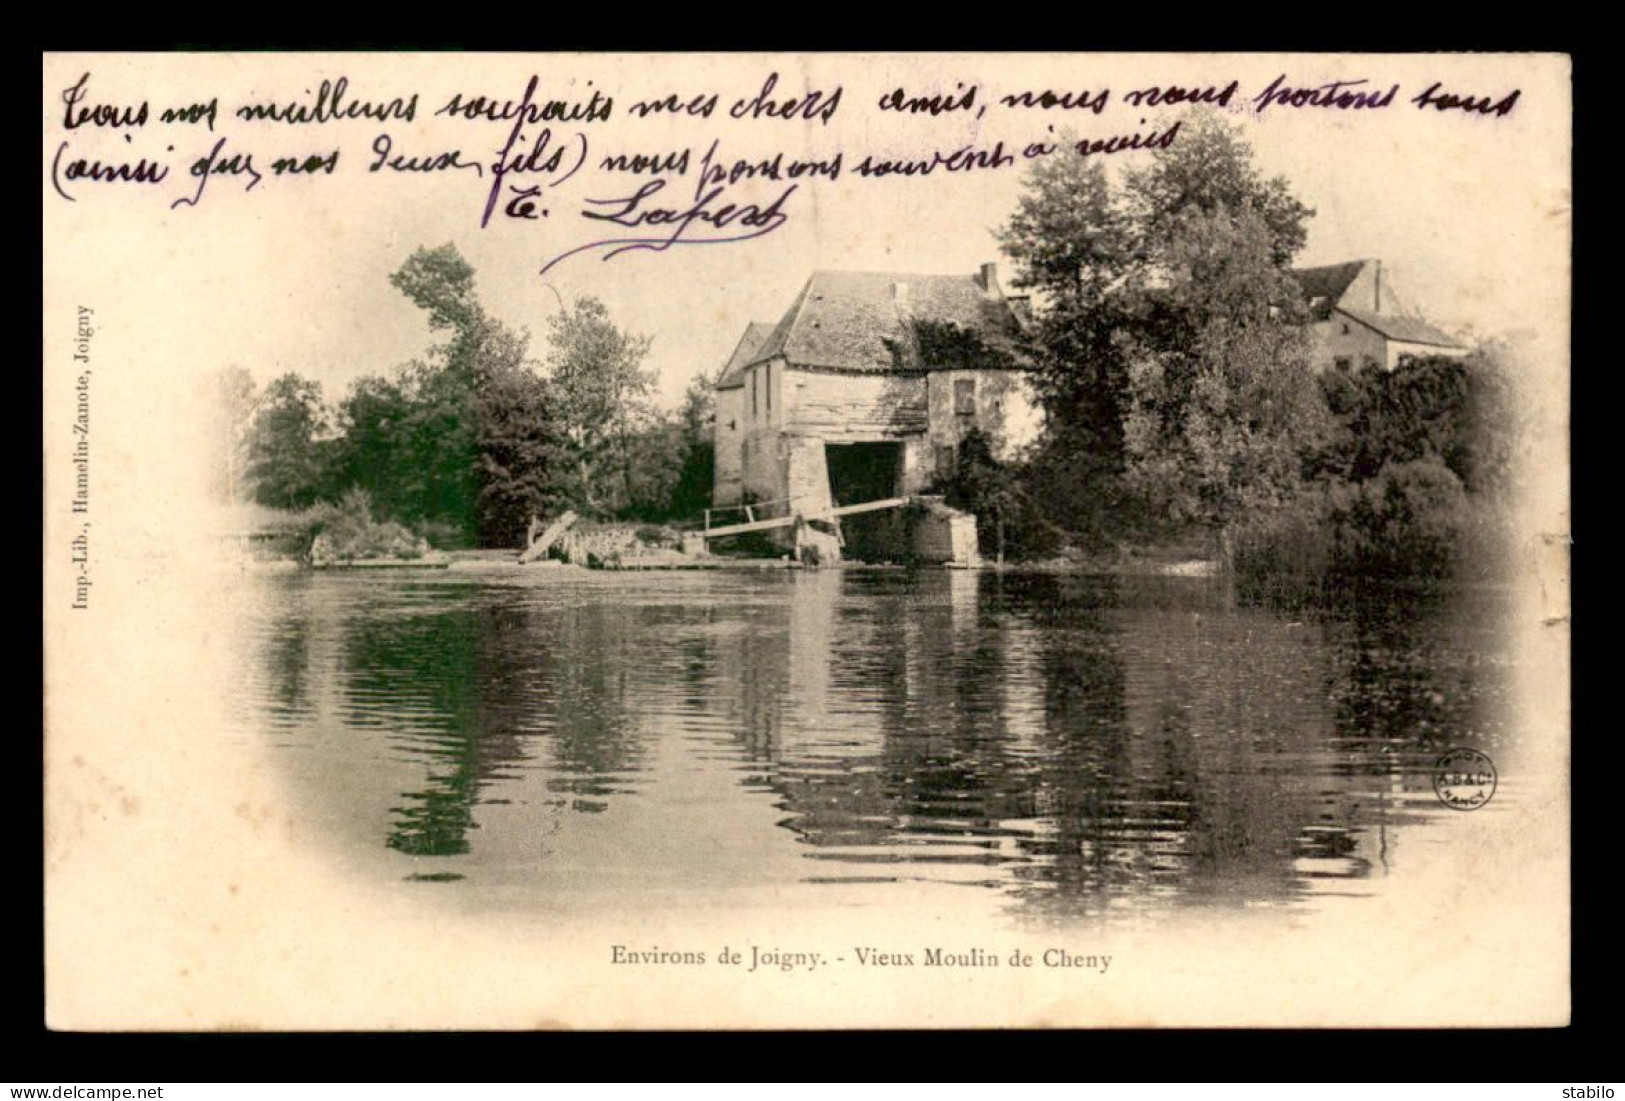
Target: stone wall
{"points": [[1342, 337], [854, 408], [763, 469], [728, 450], [1005, 409], [807, 474], [939, 535]]}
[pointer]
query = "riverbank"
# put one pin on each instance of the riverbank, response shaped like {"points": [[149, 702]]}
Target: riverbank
{"points": [[504, 561]]}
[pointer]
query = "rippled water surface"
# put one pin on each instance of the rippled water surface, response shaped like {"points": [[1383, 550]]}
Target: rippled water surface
{"points": [[1058, 748]]}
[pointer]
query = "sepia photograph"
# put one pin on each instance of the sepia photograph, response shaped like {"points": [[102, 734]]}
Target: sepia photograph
{"points": [[789, 541]]}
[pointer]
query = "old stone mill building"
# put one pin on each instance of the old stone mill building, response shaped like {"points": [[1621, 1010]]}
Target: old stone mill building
{"points": [[854, 404], [849, 410]]}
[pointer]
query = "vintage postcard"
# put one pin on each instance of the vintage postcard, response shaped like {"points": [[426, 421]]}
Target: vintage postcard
{"points": [[541, 541]]}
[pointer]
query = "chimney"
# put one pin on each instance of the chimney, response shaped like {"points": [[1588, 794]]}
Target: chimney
{"points": [[1378, 307], [990, 281], [899, 292]]}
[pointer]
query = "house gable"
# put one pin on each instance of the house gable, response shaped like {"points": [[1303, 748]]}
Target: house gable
{"points": [[755, 336], [1325, 287], [1358, 320]]}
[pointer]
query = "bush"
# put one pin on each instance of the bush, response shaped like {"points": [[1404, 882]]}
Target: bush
{"points": [[1010, 521], [1411, 521], [1288, 553], [347, 532], [1411, 485], [1408, 521]]}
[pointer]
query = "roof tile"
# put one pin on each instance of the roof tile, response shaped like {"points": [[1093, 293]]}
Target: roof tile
{"points": [[869, 321], [1324, 287], [1412, 330]]}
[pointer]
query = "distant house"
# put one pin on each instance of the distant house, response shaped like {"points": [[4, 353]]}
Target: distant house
{"points": [[866, 387], [1357, 320]]}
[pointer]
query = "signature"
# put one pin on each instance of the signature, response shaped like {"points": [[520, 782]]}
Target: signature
{"points": [[708, 220]]}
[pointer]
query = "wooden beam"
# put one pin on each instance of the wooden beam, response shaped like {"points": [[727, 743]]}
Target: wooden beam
{"points": [[758, 525], [867, 506], [787, 521], [557, 528]]}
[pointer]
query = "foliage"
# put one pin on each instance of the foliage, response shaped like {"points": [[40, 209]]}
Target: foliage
{"points": [[286, 461], [1397, 416], [472, 440], [1420, 456], [1209, 170], [1172, 358], [1169, 359], [1413, 479], [416, 441], [1069, 234], [519, 448], [1220, 407], [1283, 554], [601, 392], [441, 283], [467, 442], [691, 493], [1406, 520], [1072, 241], [939, 344], [1009, 522], [348, 532]]}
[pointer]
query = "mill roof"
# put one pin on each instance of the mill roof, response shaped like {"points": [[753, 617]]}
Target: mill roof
{"points": [[891, 321]]}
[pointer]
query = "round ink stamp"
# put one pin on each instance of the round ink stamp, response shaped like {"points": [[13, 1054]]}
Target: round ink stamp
{"points": [[1464, 779]]}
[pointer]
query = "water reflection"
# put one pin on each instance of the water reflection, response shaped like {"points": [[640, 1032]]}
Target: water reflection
{"points": [[1072, 745]]}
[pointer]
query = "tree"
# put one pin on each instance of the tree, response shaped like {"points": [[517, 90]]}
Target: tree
{"points": [[1493, 420], [441, 282], [985, 487], [1221, 407], [374, 454], [1168, 341], [439, 436], [1417, 472], [1069, 234], [1071, 239], [1458, 411], [285, 456], [464, 439], [697, 428], [601, 393], [521, 451], [1209, 169], [471, 440]]}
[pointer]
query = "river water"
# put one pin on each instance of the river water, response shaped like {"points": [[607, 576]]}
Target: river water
{"points": [[1052, 748]]}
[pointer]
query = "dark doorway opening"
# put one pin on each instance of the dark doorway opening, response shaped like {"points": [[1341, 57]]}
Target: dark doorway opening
{"points": [[860, 472]]}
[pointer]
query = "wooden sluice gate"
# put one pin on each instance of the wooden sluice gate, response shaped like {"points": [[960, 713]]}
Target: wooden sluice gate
{"points": [[790, 520], [932, 533]]}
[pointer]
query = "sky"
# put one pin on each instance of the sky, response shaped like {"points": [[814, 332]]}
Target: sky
{"points": [[1469, 213]]}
